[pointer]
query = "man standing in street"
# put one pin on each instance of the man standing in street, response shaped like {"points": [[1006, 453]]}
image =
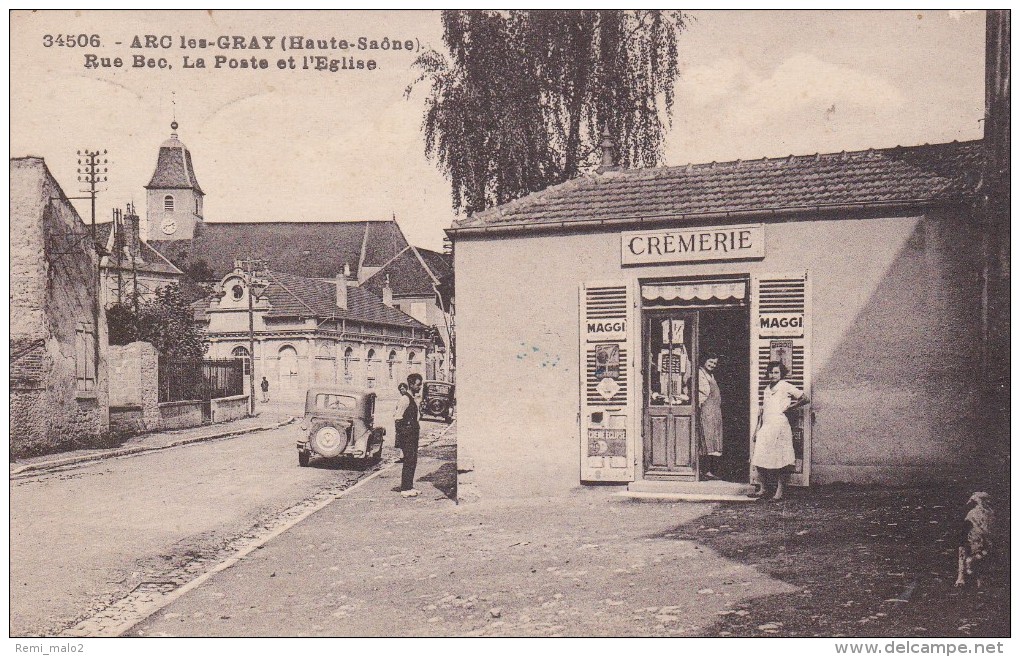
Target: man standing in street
{"points": [[265, 390], [408, 432]]}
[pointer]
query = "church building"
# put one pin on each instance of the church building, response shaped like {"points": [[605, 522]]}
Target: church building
{"points": [[173, 198], [373, 253]]}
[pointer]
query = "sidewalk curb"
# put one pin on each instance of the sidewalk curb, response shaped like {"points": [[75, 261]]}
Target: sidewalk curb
{"points": [[141, 449], [238, 556]]}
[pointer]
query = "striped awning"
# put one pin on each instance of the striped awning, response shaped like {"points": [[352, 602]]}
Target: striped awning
{"points": [[726, 291]]}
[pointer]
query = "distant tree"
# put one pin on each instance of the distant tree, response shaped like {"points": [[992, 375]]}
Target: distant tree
{"points": [[199, 271], [522, 98], [123, 324], [165, 321]]}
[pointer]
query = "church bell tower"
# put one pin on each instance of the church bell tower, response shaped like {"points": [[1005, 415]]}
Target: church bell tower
{"points": [[173, 196]]}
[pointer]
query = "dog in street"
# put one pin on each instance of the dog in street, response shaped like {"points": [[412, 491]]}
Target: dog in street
{"points": [[976, 540]]}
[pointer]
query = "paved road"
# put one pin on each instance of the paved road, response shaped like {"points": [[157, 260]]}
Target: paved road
{"points": [[87, 536]]}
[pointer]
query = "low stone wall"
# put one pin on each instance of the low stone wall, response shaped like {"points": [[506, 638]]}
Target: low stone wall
{"points": [[180, 415], [229, 408], [135, 378], [126, 420]]}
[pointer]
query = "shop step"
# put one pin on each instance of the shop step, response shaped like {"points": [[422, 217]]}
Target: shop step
{"points": [[688, 491]]}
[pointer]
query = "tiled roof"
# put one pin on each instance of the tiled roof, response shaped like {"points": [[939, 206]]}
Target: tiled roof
{"points": [[410, 274], [439, 263], [173, 168], [384, 240], [911, 175], [151, 260], [310, 249], [297, 296]]}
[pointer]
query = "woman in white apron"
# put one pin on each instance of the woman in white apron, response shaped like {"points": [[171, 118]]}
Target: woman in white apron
{"points": [[773, 441]]}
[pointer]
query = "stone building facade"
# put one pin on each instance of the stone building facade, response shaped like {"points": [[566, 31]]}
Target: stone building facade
{"points": [[58, 371], [314, 332], [131, 268], [416, 279]]}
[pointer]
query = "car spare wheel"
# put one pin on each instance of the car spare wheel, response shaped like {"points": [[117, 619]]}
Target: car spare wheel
{"points": [[436, 407], [328, 440]]}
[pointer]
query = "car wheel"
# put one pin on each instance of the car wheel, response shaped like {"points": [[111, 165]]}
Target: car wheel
{"points": [[327, 440], [303, 458], [436, 407]]}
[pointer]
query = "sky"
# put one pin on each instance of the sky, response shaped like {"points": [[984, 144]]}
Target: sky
{"points": [[306, 145]]}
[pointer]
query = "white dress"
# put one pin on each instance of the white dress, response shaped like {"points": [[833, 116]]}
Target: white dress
{"points": [[773, 443]]}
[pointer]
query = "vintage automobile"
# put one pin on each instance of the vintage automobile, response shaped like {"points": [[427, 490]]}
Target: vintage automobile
{"points": [[339, 423], [437, 400]]}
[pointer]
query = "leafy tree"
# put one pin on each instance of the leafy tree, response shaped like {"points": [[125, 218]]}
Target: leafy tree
{"points": [[523, 97], [166, 321], [199, 271]]}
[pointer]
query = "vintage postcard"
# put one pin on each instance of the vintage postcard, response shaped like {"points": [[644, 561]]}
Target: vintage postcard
{"points": [[478, 323]]}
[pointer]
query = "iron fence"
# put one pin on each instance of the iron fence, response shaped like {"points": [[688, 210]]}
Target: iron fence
{"points": [[200, 380]]}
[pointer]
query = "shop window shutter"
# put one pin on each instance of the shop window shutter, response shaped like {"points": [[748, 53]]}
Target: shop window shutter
{"points": [[607, 384], [781, 328]]}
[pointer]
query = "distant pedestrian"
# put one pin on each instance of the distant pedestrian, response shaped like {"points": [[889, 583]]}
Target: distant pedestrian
{"points": [[408, 432], [773, 440], [397, 415], [265, 390]]}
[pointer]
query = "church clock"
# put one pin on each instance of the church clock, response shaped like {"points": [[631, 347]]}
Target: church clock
{"points": [[169, 226]]}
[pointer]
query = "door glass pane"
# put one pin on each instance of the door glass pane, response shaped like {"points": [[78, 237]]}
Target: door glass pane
{"points": [[670, 356]]}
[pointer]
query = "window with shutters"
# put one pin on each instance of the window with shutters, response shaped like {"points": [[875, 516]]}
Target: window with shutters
{"points": [[606, 377], [780, 327], [85, 357], [780, 298], [606, 309]]}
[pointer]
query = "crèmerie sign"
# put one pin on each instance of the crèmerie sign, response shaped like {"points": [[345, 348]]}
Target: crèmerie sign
{"points": [[648, 247]]}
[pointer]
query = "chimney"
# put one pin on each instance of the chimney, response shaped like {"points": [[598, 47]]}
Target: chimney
{"points": [[341, 289], [118, 230], [387, 293], [134, 232], [607, 150], [351, 282]]}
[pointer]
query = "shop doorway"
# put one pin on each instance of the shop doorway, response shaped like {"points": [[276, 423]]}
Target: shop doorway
{"points": [[682, 324], [670, 417], [726, 333]]}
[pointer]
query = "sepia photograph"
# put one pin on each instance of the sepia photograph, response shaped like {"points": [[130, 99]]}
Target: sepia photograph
{"points": [[560, 324]]}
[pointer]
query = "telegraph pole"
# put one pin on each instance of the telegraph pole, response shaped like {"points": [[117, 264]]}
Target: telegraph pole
{"points": [[92, 171], [252, 269]]}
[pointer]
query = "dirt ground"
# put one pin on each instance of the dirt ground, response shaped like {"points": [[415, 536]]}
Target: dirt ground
{"points": [[867, 561], [835, 561]]}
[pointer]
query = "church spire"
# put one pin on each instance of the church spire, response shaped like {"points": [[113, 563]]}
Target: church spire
{"points": [[173, 195]]}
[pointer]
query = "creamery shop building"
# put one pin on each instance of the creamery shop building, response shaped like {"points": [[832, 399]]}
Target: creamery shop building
{"points": [[584, 311]]}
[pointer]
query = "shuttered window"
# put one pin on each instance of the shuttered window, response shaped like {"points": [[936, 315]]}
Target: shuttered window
{"points": [[780, 331], [605, 305], [606, 381]]}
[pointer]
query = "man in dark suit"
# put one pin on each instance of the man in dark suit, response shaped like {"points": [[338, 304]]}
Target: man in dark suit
{"points": [[408, 432]]}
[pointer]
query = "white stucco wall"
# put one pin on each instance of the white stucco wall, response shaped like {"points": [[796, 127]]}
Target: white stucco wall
{"points": [[895, 343]]}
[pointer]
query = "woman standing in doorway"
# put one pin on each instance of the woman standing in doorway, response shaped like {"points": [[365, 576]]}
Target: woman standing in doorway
{"points": [[710, 426], [773, 441]]}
